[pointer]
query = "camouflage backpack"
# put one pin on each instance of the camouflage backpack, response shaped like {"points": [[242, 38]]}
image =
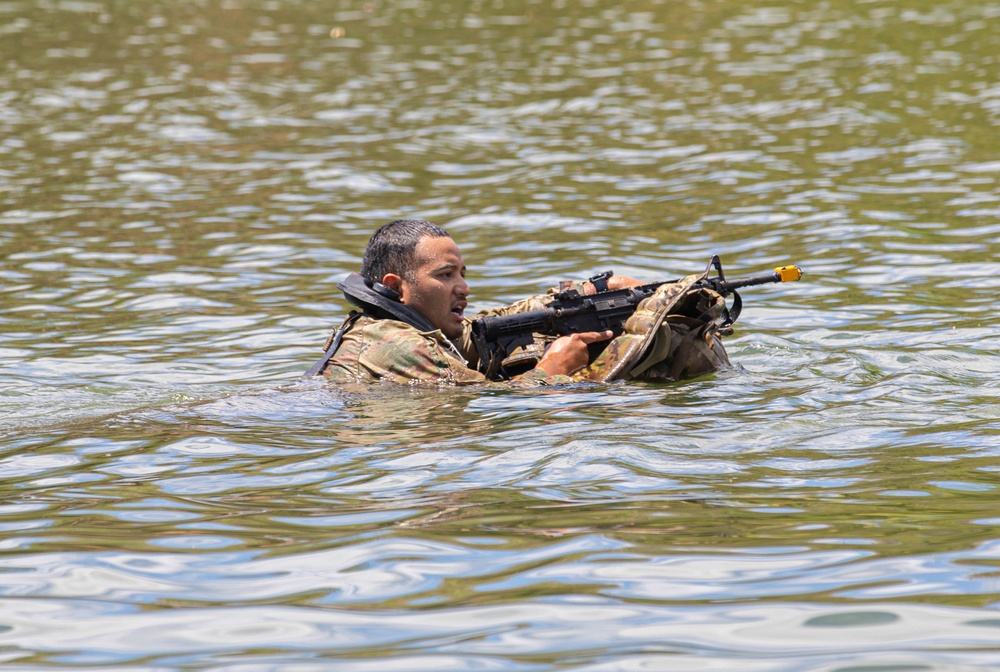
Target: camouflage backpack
{"points": [[674, 334]]}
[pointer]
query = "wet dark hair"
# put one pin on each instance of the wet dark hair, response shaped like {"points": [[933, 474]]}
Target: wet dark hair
{"points": [[391, 248]]}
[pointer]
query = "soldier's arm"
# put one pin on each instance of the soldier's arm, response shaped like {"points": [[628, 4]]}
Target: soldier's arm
{"points": [[406, 355]]}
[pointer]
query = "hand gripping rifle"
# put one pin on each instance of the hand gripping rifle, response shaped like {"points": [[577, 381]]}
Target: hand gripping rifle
{"points": [[569, 312]]}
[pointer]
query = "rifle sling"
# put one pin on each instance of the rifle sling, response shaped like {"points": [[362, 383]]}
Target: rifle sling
{"points": [[332, 345]]}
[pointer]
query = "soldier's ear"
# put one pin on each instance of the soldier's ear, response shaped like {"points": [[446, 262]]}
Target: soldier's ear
{"points": [[393, 284]]}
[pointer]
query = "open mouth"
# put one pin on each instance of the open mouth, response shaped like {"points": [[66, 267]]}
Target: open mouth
{"points": [[458, 309]]}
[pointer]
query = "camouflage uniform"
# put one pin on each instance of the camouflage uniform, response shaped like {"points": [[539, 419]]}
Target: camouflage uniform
{"points": [[384, 349]]}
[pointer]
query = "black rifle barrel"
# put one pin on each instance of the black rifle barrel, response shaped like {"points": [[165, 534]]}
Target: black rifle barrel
{"points": [[730, 285], [781, 274]]}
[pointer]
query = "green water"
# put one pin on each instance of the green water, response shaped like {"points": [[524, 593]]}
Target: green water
{"points": [[182, 185]]}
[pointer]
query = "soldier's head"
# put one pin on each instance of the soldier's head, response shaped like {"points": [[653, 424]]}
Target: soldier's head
{"points": [[392, 249], [421, 262]]}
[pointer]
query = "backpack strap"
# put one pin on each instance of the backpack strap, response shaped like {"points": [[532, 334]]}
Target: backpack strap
{"points": [[332, 344]]}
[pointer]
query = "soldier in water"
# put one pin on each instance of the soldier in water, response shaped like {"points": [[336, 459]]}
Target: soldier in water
{"points": [[412, 327]]}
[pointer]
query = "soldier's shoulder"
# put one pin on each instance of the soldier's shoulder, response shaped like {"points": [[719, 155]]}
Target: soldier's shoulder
{"points": [[372, 326], [386, 340], [390, 331]]}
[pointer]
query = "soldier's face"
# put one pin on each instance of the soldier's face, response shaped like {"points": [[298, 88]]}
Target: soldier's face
{"points": [[438, 291]]}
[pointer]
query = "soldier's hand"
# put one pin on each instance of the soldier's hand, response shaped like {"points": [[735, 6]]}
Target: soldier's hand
{"points": [[614, 282], [569, 354]]}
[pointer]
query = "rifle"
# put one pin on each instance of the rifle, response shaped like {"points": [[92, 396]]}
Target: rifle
{"points": [[569, 312]]}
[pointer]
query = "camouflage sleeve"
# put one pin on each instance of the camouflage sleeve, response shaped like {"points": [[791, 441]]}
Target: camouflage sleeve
{"points": [[535, 302], [423, 357], [410, 355], [396, 352], [539, 377]]}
